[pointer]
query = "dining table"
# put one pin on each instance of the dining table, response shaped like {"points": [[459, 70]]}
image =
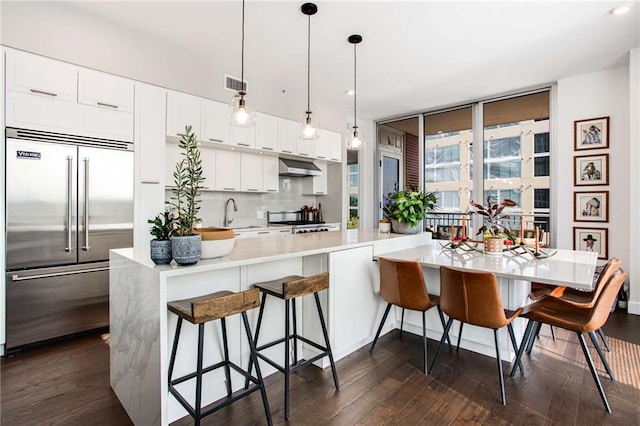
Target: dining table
{"points": [[514, 269]]}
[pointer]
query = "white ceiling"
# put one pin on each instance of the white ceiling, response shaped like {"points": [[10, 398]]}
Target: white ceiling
{"points": [[415, 55]]}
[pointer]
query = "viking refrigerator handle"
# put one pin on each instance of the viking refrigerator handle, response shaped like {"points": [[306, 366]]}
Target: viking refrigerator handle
{"points": [[69, 247], [85, 247]]}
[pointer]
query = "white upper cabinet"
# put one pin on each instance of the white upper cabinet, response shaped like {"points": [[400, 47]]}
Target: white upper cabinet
{"points": [[321, 146], [227, 170], [149, 137], [182, 110], [304, 147], [243, 136], [171, 158], [334, 142], [287, 136], [105, 90], [208, 157], [42, 113], [270, 176], [267, 132], [41, 76], [215, 121], [251, 172], [107, 124], [316, 185]]}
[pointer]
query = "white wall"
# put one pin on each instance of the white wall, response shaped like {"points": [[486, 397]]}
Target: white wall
{"points": [[634, 181], [600, 94]]}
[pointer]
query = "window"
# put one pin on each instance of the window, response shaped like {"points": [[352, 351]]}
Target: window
{"points": [[541, 143], [442, 164], [497, 195], [541, 198], [541, 154], [353, 205], [448, 200], [502, 158], [541, 166], [353, 175]]}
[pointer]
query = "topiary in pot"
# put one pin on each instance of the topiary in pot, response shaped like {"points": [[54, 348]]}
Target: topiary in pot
{"points": [[188, 179]]}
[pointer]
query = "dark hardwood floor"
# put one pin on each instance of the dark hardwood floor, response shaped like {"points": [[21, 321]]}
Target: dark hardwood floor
{"points": [[68, 384]]}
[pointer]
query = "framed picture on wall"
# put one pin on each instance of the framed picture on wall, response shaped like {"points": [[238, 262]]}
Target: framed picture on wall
{"points": [[591, 239], [591, 206], [591, 170], [591, 134]]}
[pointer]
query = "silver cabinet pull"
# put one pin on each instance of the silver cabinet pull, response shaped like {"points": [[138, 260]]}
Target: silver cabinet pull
{"points": [[320, 156], [56, 274], [252, 189], [243, 144], [216, 140], [69, 248], [41, 92], [107, 105], [85, 247], [266, 148], [272, 190], [263, 232], [288, 152], [229, 189]]}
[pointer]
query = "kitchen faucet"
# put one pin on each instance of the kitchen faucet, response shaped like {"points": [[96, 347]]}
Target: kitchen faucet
{"points": [[227, 221]]}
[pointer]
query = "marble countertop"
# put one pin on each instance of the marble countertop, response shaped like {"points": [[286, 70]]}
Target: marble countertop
{"points": [[258, 250], [566, 267]]}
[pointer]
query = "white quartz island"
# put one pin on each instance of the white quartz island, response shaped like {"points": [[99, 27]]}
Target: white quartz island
{"points": [[142, 330]]}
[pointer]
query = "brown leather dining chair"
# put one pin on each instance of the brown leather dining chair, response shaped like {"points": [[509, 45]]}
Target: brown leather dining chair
{"points": [[474, 298], [584, 299], [563, 314], [402, 284]]}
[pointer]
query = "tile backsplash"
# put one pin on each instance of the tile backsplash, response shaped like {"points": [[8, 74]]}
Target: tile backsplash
{"points": [[289, 198]]}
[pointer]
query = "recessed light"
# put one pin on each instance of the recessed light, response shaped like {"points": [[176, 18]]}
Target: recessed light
{"points": [[350, 92], [621, 10]]}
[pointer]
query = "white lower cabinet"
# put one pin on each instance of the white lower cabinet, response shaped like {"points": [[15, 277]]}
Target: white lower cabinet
{"points": [[316, 185], [251, 172], [227, 171]]}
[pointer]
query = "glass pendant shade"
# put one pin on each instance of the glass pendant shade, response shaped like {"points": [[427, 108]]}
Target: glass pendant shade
{"points": [[308, 129], [354, 141], [241, 115]]}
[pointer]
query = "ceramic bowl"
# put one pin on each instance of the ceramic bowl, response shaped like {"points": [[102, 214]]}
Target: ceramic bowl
{"points": [[216, 242]]}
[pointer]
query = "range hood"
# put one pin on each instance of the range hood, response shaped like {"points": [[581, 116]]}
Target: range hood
{"points": [[298, 168]]}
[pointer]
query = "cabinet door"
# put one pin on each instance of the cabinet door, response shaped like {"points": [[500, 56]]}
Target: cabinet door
{"points": [[41, 76], [149, 137], [267, 132], [286, 136], [40, 113], [270, 177], [171, 158], [208, 157], [251, 172], [243, 136], [105, 90], [182, 110], [227, 171], [316, 185], [107, 124], [321, 146], [334, 141], [215, 122], [305, 147]]}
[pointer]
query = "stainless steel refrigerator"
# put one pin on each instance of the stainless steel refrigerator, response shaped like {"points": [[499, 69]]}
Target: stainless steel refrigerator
{"points": [[69, 200]]}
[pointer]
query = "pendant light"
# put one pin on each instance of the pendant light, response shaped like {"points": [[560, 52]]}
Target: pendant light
{"points": [[309, 129], [354, 142], [241, 115]]}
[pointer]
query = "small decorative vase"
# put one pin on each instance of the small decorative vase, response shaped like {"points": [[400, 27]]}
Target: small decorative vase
{"points": [[384, 226], [493, 245], [186, 250], [403, 228], [161, 252]]}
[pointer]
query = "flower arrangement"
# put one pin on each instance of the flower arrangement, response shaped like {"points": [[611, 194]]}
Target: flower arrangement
{"points": [[492, 216]]}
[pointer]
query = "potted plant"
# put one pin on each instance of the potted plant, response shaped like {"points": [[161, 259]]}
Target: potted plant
{"points": [[406, 209], [161, 229], [186, 245], [493, 231]]}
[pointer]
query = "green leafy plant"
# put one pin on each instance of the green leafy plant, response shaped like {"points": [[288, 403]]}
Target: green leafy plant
{"points": [[352, 223], [188, 181], [408, 207], [162, 226], [492, 217]]}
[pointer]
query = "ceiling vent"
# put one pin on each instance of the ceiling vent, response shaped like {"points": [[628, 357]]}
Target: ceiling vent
{"points": [[234, 84]]}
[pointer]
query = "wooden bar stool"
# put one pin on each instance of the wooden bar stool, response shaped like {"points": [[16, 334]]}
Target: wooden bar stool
{"points": [[200, 310], [289, 288]]}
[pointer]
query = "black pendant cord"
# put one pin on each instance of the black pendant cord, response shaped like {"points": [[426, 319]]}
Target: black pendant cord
{"points": [[309, 65], [242, 91], [355, 88]]}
